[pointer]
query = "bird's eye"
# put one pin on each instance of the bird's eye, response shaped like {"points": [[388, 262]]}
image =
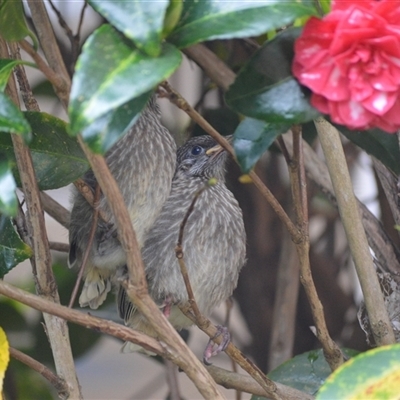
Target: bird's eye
{"points": [[197, 150]]}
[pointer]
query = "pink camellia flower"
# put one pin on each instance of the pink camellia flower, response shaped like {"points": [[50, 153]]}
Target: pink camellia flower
{"points": [[351, 62]]}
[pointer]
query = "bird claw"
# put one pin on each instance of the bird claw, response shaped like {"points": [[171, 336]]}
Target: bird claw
{"points": [[166, 307], [212, 348]]}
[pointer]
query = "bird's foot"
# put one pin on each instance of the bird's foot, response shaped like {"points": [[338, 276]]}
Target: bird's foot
{"points": [[166, 307], [212, 348]]}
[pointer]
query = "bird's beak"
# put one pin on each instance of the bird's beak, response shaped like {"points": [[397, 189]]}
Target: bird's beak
{"points": [[215, 150]]}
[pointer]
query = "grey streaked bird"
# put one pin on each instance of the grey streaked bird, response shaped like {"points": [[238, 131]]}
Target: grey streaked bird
{"points": [[143, 164], [214, 241]]}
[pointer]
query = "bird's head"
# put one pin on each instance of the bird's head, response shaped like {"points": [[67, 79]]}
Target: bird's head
{"points": [[202, 157]]}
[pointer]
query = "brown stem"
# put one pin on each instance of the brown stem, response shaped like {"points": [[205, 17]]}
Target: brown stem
{"points": [[232, 380], [351, 219], [50, 48], [55, 209], [332, 352], [56, 329], [59, 384], [180, 255]]}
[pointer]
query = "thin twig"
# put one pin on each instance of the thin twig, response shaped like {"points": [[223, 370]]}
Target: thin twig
{"points": [[59, 384], [179, 255], [50, 49], [55, 209], [232, 380], [332, 352], [88, 249], [175, 98], [41, 262]]}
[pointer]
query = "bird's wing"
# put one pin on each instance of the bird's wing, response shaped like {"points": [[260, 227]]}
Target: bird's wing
{"points": [[125, 307]]}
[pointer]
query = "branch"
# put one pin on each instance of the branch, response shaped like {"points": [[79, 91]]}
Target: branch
{"points": [[98, 324], [332, 352], [385, 251], [59, 384], [232, 380], [50, 49], [350, 216], [55, 209], [56, 329]]}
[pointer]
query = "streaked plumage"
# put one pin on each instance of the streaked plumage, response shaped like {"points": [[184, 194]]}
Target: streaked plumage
{"points": [[214, 241], [143, 164]]}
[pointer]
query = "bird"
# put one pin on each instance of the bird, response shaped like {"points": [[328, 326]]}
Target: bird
{"points": [[214, 242], [143, 164]]}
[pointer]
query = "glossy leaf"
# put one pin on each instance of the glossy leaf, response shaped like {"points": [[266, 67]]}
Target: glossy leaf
{"points": [[6, 67], [8, 197], [213, 19], [110, 72], [12, 249], [374, 374], [139, 20], [305, 372], [4, 357], [12, 120], [265, 88], [57, 158], [252, 138], [106, 130], [13, 26], [377, 143]]}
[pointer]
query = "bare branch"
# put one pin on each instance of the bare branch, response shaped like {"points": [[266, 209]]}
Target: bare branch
{"points": [[232, 380], [351, 219], [55, 209], [59, 384], [56, 329], [58, 246]]}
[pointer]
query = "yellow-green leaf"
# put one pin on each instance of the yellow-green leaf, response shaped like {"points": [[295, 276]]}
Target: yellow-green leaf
{"points": [[4, 357], [374, 374]]}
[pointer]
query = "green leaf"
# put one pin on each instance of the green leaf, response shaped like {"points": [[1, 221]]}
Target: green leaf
{"points": [[374, 374], [377, 143], [8, 198], [12, 249], [214, 19], [57, 158], [6, 66], [12, 22], [139, 20], [265, 88], [110, 72], [305, 372], [252, 138], [106, 130], [12, 120], [172, 16]]}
